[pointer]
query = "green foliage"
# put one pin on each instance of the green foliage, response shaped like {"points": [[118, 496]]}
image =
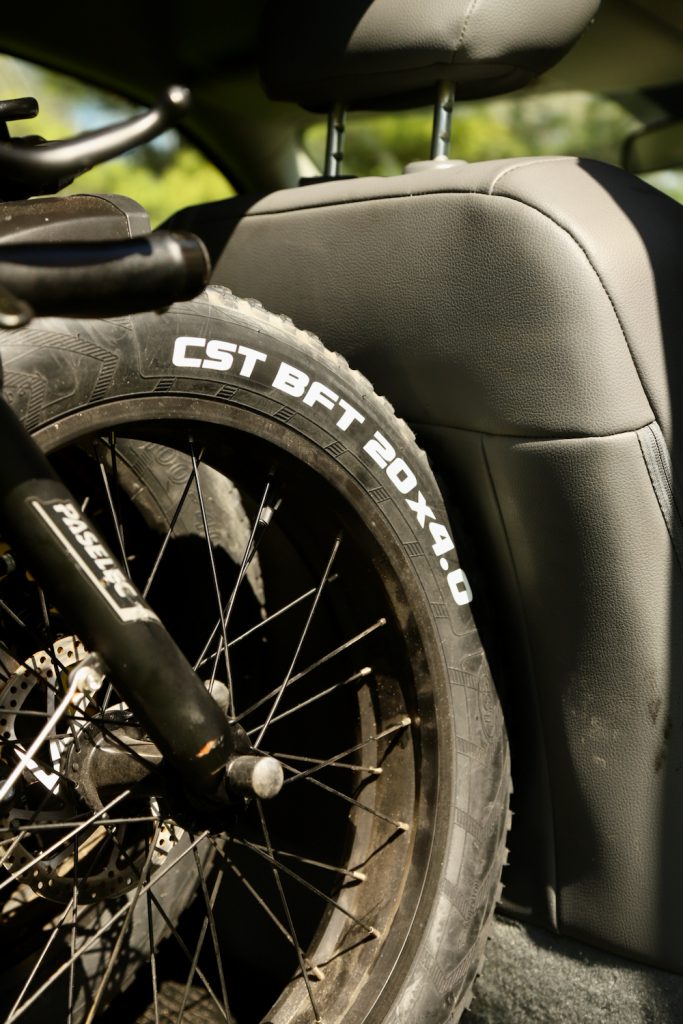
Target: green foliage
{"points": [[169, 174], [670, 182], [574, 123], [163, 176], [384, 144], [186, 180]]}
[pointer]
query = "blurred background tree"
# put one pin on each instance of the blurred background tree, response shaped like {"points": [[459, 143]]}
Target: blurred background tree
{"points": [[572, 123], [169, 173], [163, 176]]}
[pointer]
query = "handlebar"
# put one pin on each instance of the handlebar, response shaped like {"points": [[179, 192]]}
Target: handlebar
{"points": [[88, 279], [48, 162]]}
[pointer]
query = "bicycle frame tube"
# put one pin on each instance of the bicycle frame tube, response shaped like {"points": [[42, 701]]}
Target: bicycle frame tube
{"points": [[66, 555]]}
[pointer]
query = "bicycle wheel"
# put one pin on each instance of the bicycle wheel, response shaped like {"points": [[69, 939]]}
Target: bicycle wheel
{"points": [[290, 535]]}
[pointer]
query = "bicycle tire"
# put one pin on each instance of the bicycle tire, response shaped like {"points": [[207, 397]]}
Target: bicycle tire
{"points": [[401, 938]]}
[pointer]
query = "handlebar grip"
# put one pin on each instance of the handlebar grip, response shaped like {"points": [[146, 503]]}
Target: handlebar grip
{"points": [[20, 109], [49, 162], [89, 279]]}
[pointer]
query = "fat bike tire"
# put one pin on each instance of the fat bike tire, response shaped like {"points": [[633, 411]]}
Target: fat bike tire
{"points": [[363, 894]]}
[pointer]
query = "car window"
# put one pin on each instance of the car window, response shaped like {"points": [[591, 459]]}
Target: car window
{"points": [[163, 176], [574, 123]]}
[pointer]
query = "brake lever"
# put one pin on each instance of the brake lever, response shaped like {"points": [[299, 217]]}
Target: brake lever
{"points": [[52, 162]]}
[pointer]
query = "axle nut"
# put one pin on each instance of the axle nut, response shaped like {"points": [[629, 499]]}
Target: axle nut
{"points": [[252, 775]]}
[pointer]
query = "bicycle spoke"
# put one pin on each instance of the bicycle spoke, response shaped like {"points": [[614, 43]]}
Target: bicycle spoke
{"points": [[402, 826], [41, 959], [123, 930], [116, 522], [304, 633], [101, 931], [13, 843], [214, 576], [403, 724], [358, 876], [367, 768], [272, 860], [262, 520], [15, 618], [36, 640], [21, 713], [24, 757], [313, 968], [260, 624], [47, 621], [150, 895], [45, 774], [195, 959], [169, 533], [355, 678], [285, 906], [185, 950], [109, 821], [152, 957], [60, 842], [74, 918], [209, 902], [314, 665]]}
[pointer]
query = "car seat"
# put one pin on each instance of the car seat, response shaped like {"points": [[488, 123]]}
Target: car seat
{"points": [[524, 315]]}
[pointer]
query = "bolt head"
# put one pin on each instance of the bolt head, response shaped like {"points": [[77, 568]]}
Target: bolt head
{"points": [[255, 775]]}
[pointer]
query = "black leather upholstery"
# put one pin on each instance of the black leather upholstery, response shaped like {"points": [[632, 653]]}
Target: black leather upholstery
{"points": [[526, 317], [370, 52]]}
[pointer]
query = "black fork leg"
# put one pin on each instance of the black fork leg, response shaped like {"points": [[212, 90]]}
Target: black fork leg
{"points": [[66, 555]]}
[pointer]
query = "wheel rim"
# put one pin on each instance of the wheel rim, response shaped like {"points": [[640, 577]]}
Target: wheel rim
{"points": [[298, 910]]}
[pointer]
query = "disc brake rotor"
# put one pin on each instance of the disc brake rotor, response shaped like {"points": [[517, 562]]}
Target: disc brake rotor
{"points": [[49, 803]]}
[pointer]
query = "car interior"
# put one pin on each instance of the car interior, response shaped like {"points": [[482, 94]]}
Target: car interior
{"points": [[523, 315]]}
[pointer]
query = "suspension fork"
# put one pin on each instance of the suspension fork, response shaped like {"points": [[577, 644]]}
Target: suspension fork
{"points": [[68, 558]]}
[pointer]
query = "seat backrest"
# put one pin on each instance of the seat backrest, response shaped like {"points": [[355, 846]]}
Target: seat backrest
{"points": [[524, 315]]}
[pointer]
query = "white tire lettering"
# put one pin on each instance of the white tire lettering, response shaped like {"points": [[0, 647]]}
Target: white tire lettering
{"points": [[420, 508], [459, 586], [290, 380], [442, 539], [349, 416], [180, 356], [401, 476], [379, 450], [318, 393], [251, 357], [218, 355]]}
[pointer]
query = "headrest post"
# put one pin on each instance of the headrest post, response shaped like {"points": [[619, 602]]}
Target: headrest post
{"points": [[443, 113], [334, 150]]}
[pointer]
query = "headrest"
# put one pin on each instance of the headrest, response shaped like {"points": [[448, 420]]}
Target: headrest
{"points": [[390, 53]]}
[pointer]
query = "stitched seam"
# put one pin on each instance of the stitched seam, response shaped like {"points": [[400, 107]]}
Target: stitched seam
{"points": [[331, 203], [552, 220], [553, 900], [655, 455], [532, 438], [461, 37], [515, 167]]}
